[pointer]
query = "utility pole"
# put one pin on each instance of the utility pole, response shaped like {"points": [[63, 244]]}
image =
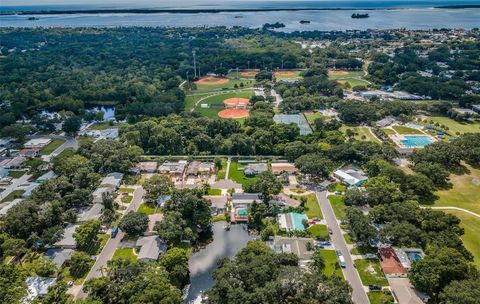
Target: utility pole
{"points": [[194, 64]]}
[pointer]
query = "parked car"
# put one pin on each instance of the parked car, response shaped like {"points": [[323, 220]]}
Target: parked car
{"points": [[330, 231], [114, 232], [375, 287]]}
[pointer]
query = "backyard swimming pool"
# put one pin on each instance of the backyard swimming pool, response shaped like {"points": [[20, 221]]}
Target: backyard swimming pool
{"points": [[297, 221], [416, 140]]}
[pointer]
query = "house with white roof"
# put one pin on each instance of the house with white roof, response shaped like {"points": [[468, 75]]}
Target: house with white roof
{"points": [[351, 176]]}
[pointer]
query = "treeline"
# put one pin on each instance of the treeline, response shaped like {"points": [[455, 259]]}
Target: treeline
{"points": [[396, 218]]}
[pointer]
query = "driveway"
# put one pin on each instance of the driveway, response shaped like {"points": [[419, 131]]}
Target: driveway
{"points": [[351, 275], [14, 185], [109, 249]]}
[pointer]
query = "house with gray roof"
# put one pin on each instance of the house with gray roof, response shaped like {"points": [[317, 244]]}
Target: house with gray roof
{"points": [[8, 206], [150, 248], [59, 256], [67, 241], [255, 169], [245, 199], [91, 213], [37, 287], [112, 180]]}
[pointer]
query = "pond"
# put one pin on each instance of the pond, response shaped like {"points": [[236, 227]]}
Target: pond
{"points": [[203, 262], [109, 112]]}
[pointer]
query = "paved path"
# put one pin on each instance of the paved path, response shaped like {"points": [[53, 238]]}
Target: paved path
{"points": [[278, 98], [229, 160], [109, 249], [351, 275], [13, 186], [451, 208]]}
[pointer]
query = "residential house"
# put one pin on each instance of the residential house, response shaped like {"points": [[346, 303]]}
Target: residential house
{"points": [[67, 241], [37, 143], [98, 194], [390, 263], [37, 287], [245, 199], [29, 189], [174, 169], [162, 199], [150, 247], [385, 122], [278, 168], [255, 169], [298, 246], [112, 180], [91, 213], [292, 221], [146, 167], [476, 108], [59, 256], [351, 176], [407, 256], [197, 168], [219, 203]]}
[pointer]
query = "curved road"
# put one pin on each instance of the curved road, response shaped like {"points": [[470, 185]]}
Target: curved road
{"points": [[451, 208], [351, 275]]}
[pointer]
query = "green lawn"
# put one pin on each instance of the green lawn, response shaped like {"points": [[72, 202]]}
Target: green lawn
{"points": [[147, 209], [311, 117], [222, 171], [338, 206], [219, 87], [331, 263], [363, 250], [380, 297], [389, 131], [361, 133], [464, 193], [237, 175], [354, 78], [337, 187], [218, 218], [52, 146], [127, 199], [319, 231], [347, 238], [214, 191], [453, 125], [350, 74], [101, 125], [237, 75], [312, 205], [406, 130], [127, 190], [125, 253], [218, 100], [471, 241], [353, 82], [370, 272], [16, 173], [296, 75], [13, 195]]}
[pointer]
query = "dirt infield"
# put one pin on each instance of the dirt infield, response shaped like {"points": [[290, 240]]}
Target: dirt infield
{"points": [[212, 81], [284, 73], [248, 74], [236, 102], [337, 72], [233, 113]]}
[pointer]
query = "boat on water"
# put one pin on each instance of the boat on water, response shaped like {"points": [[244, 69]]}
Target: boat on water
{"points": [[33, 18], [238, 16], [360, 16], [304, 21]]}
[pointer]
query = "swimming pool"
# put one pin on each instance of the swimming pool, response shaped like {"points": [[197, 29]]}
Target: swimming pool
{"points": [[416, 140], [297, 221], [414, 256]]}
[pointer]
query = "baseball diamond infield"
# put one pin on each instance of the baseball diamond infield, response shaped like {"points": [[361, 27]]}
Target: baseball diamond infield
{"points": [[212, 81], [337, 72], [233, 113], [284, 73], [248, 74]]}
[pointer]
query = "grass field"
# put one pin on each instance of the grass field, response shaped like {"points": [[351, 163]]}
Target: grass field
{"points": [[354, 78], [312, 205], [222, 171], [406, 130], [338, 206], [471, 240], [237, 75], [148, 209], [13, 195], [52, 146], [331, 263], [464, 193], [380, 297], [319, 231], [389, 131], [127, 199], [370, 272], [214, 191], [361, 133], [101, 125], [16, 173], [125, 253], [237, 175], [218, 100], [229, 85], [127, 190], [454, 126], [311, 118], [347, 239], [295, 75]]}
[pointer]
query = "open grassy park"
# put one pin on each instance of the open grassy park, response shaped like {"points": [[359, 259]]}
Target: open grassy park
{"points": [[465, 192], [453, 125], [406, 130], [361, 133], [223, 86], [52, 146], [281, 75], [214, 100], [354, 78]]}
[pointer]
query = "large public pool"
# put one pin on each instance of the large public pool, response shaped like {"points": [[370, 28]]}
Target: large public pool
{"points": [[416, 140]]}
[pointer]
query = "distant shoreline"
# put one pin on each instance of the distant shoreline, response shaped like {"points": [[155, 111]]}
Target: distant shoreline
{"points": [[210, 11]]}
